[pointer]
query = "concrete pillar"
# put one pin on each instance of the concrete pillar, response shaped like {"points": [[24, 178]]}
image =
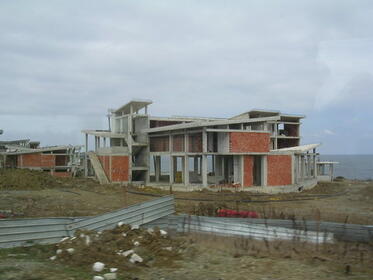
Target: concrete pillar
{"points": [[304, 167], [314, 164], [86, 156], [171, 170], [264, 169], [105, 142], [157, 167], [214, 169], [129, 143], [301, 157], [186, 170], [213, 164], [204, 140], [200, 164], [204, 170]]}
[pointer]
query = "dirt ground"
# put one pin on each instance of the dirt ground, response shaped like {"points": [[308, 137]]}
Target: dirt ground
{"points": [[202, 257], [26, 193]]}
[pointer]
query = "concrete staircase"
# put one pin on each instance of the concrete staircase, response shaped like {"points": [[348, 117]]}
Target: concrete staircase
{"points": [[97, 167]]}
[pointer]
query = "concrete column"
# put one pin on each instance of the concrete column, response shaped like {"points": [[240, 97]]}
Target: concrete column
{"points": [[157, 167], [171, 170], [309, 166], [314, 164], [276, 133], [213, 164], [204, 170], [200, 165], [129, 143], [264, 169], [175, 166], [186, 142], [105, 142], [170, 143], [304, 166], [301, 167], [186, 170], [204, 140], [86, 156]]}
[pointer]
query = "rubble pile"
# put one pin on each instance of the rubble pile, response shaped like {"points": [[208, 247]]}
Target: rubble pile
{"points": [[122, 248]]}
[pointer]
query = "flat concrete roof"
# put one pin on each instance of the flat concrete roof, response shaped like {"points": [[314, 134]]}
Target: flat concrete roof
{"points": [[298, 149], [208, 123], [268, 113], [183, 118], [104, 133], [137, 104], [23, 150]]}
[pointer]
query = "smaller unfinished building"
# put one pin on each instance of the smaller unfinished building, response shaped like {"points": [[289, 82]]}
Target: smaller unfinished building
{"points": [[258, 149], [60, 161]]}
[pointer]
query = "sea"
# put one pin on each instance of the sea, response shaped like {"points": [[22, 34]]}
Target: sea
{"points": [[358, 167]]}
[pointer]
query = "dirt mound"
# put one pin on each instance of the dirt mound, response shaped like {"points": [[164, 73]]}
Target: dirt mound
{"points": [[124, 248], [26, 179]]}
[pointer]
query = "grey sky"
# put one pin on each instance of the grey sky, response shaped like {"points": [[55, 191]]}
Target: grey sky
{"points": [[64, 63]]}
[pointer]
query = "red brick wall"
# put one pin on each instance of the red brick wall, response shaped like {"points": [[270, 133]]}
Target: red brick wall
{"points": [[119, 168], [244, 142], [195, 143], [159, 144], [279, 170], [248, 163], [47, 160], [105, 163], [178, 143], [36, 160]]}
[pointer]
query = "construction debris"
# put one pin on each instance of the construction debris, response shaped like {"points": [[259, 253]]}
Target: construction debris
{"points": [[120, 249]]}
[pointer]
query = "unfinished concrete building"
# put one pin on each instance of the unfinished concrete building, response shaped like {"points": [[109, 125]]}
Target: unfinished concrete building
{"points": [[60, 161], [258, 149]]}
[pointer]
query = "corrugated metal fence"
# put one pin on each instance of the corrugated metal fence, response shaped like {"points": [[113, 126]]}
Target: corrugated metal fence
{"points": [[23, 232], [311, 231]]}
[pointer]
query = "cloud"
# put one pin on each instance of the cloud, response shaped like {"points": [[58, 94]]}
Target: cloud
{"points": [[328, 132], [73, 60]]}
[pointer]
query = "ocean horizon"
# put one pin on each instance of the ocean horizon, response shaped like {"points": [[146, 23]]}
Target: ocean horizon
{"points": [[359, 166]]}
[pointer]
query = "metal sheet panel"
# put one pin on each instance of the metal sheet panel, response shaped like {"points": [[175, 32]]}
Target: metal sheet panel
{"points": [[26, 232]]}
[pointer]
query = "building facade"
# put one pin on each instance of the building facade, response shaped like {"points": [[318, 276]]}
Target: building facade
{"points": [[259, 149]]}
